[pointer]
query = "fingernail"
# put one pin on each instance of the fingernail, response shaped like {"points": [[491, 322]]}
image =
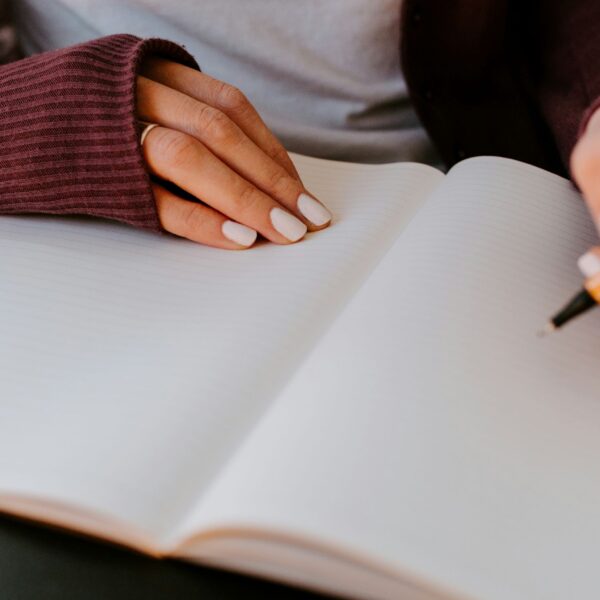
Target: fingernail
{"points": [[287, 225], [312, 210], [589, 263], [238, 233]]}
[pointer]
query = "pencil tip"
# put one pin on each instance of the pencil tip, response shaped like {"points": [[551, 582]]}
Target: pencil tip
{"points": [[548, 328]]}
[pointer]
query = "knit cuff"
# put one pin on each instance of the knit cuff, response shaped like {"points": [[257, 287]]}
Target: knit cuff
{"points": [[68, 131]]}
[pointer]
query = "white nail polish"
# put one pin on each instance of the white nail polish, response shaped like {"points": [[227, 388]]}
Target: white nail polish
{"points": [[312, 210], [238, 233], [287, 224], [589, 263]]}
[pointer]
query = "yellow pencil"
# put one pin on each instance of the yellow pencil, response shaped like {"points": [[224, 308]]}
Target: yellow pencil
{"points": [[588, 297]]}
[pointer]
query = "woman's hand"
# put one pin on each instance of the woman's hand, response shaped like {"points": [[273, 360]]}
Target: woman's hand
{"points": [[212, 144], [585, 166]]}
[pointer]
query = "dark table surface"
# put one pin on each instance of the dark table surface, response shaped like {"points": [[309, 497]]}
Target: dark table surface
{"points": [[39, 563]]}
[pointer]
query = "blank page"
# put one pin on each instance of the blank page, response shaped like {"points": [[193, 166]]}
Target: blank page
{"points": [[132, 364], [431, 432]]}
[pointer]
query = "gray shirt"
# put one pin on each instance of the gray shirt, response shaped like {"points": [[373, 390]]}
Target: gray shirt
{"points": [[324, 74]]}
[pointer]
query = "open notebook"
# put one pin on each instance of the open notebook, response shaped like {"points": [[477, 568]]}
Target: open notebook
{"points": [[368, 412]]}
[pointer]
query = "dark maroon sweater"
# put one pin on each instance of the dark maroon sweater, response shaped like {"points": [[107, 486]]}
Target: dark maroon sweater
{"points": [[515, 78], [501, 77], [69, 135]]}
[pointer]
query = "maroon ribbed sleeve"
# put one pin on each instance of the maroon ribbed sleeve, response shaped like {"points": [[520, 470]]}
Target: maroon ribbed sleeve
{"points": [[68, 131]]}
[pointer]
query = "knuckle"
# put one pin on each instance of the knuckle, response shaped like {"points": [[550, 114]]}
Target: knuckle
{"points": [[214, 124], [192, 218], [281, 184], [280, 155], [248, 199], [231, 99], [173, 148]]}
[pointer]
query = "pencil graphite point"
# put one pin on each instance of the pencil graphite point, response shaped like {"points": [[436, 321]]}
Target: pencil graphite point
{"points": [[548, 328]]}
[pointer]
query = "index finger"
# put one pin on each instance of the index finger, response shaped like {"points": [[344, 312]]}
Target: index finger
{"points": [[226, 98]]}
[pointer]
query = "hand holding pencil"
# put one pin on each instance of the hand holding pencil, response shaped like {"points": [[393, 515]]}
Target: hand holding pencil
{"points": [[586, 298], [585, 167]]}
